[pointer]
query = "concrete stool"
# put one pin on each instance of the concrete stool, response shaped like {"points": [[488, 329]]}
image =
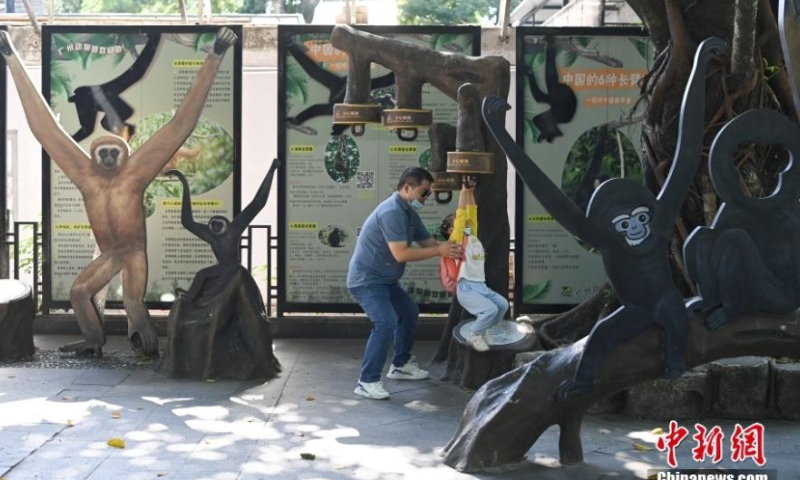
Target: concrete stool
{"points": [[17, 310]]}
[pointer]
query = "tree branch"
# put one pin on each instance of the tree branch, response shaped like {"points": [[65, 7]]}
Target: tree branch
{"points": [[769, 40], [744, 37]]}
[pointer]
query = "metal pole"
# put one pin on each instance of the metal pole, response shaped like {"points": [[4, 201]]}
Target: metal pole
{"points": [[348, 12], [182, 8], [504, 18], [269, 270], [32, 16]]}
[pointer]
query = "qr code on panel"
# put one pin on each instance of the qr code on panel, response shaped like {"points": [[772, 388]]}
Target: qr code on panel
{"points": [[365, 180]]}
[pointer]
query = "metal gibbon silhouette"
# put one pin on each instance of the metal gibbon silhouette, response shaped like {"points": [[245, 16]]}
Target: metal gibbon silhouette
{"points": [[220, 233], [630, 227]]}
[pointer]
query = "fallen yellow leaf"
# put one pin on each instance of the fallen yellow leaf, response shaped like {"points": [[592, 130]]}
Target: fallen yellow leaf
{"points": [[68, 399], [641, 448], [310, 398], [115, 414], [211, 380], [657, 431], [70, 423], [116, 443], [308, 456]]}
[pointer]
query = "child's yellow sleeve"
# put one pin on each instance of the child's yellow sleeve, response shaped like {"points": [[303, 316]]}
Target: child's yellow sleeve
{"points": [[458, 226], [472, 214]]}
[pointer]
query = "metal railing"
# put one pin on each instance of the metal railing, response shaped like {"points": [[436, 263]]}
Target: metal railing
{"points": [[14, 243], [247, 245]]}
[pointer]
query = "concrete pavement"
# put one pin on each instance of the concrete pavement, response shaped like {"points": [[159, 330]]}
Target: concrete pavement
{"points": [[55, 422]]}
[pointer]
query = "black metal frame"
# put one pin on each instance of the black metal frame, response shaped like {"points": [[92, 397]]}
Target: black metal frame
{"points": [[13, 238], [519, 220], [246, 243], [3, 166], [47, 34], [284, 32]]}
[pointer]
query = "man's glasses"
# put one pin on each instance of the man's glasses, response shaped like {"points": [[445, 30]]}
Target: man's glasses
{"points": [[426, 193]]}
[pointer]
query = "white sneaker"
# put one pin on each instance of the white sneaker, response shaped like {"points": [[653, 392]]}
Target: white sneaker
{"points": [[409, 371], [373, 390], [477, 342]]}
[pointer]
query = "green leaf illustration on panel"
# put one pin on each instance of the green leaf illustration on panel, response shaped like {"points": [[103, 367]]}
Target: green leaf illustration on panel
{"points": [[569, 58], [643, 47], [342, 158], [534, 61], [60, 82], [582, 41], [425, 159], [451, 42], [206, 158], [201, 40], [530, 110], [296, 81], [535, 291]]}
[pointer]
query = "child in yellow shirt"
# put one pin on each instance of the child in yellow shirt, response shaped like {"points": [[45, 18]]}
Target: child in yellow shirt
{"points": [[488, 306]]}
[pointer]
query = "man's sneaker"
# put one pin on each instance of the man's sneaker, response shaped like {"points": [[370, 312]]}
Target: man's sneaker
{"points": [[373, 390], [409, 371], [477, 342]]}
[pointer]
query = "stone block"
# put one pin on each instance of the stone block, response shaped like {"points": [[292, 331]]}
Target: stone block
{"points": [[741, 387], [17, 309], [686, 398], [787, 390]]}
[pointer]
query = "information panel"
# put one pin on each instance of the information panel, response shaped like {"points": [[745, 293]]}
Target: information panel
{"points": [[577, 91], [129, 81], [331, 179]]}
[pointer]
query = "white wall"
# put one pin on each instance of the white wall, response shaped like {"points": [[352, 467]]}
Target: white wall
{"points": [[28, 194]]}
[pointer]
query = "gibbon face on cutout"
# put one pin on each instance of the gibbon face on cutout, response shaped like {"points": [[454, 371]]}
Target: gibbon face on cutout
{"points": [[109, 151]]}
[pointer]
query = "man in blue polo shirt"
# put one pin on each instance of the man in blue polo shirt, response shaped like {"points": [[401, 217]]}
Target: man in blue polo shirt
{"points": [[379, 260]]}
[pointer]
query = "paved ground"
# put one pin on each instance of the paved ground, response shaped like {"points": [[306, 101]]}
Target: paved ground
{"points": [[55, 422]]}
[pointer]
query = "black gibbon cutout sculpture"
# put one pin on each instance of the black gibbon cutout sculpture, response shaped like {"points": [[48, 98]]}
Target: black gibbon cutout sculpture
{"points": [[592, 178], [749, 259], [112, 181], [221, 234], [219, 329], [90, 100], [630, 228], [335, 85], [559, 96]]}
